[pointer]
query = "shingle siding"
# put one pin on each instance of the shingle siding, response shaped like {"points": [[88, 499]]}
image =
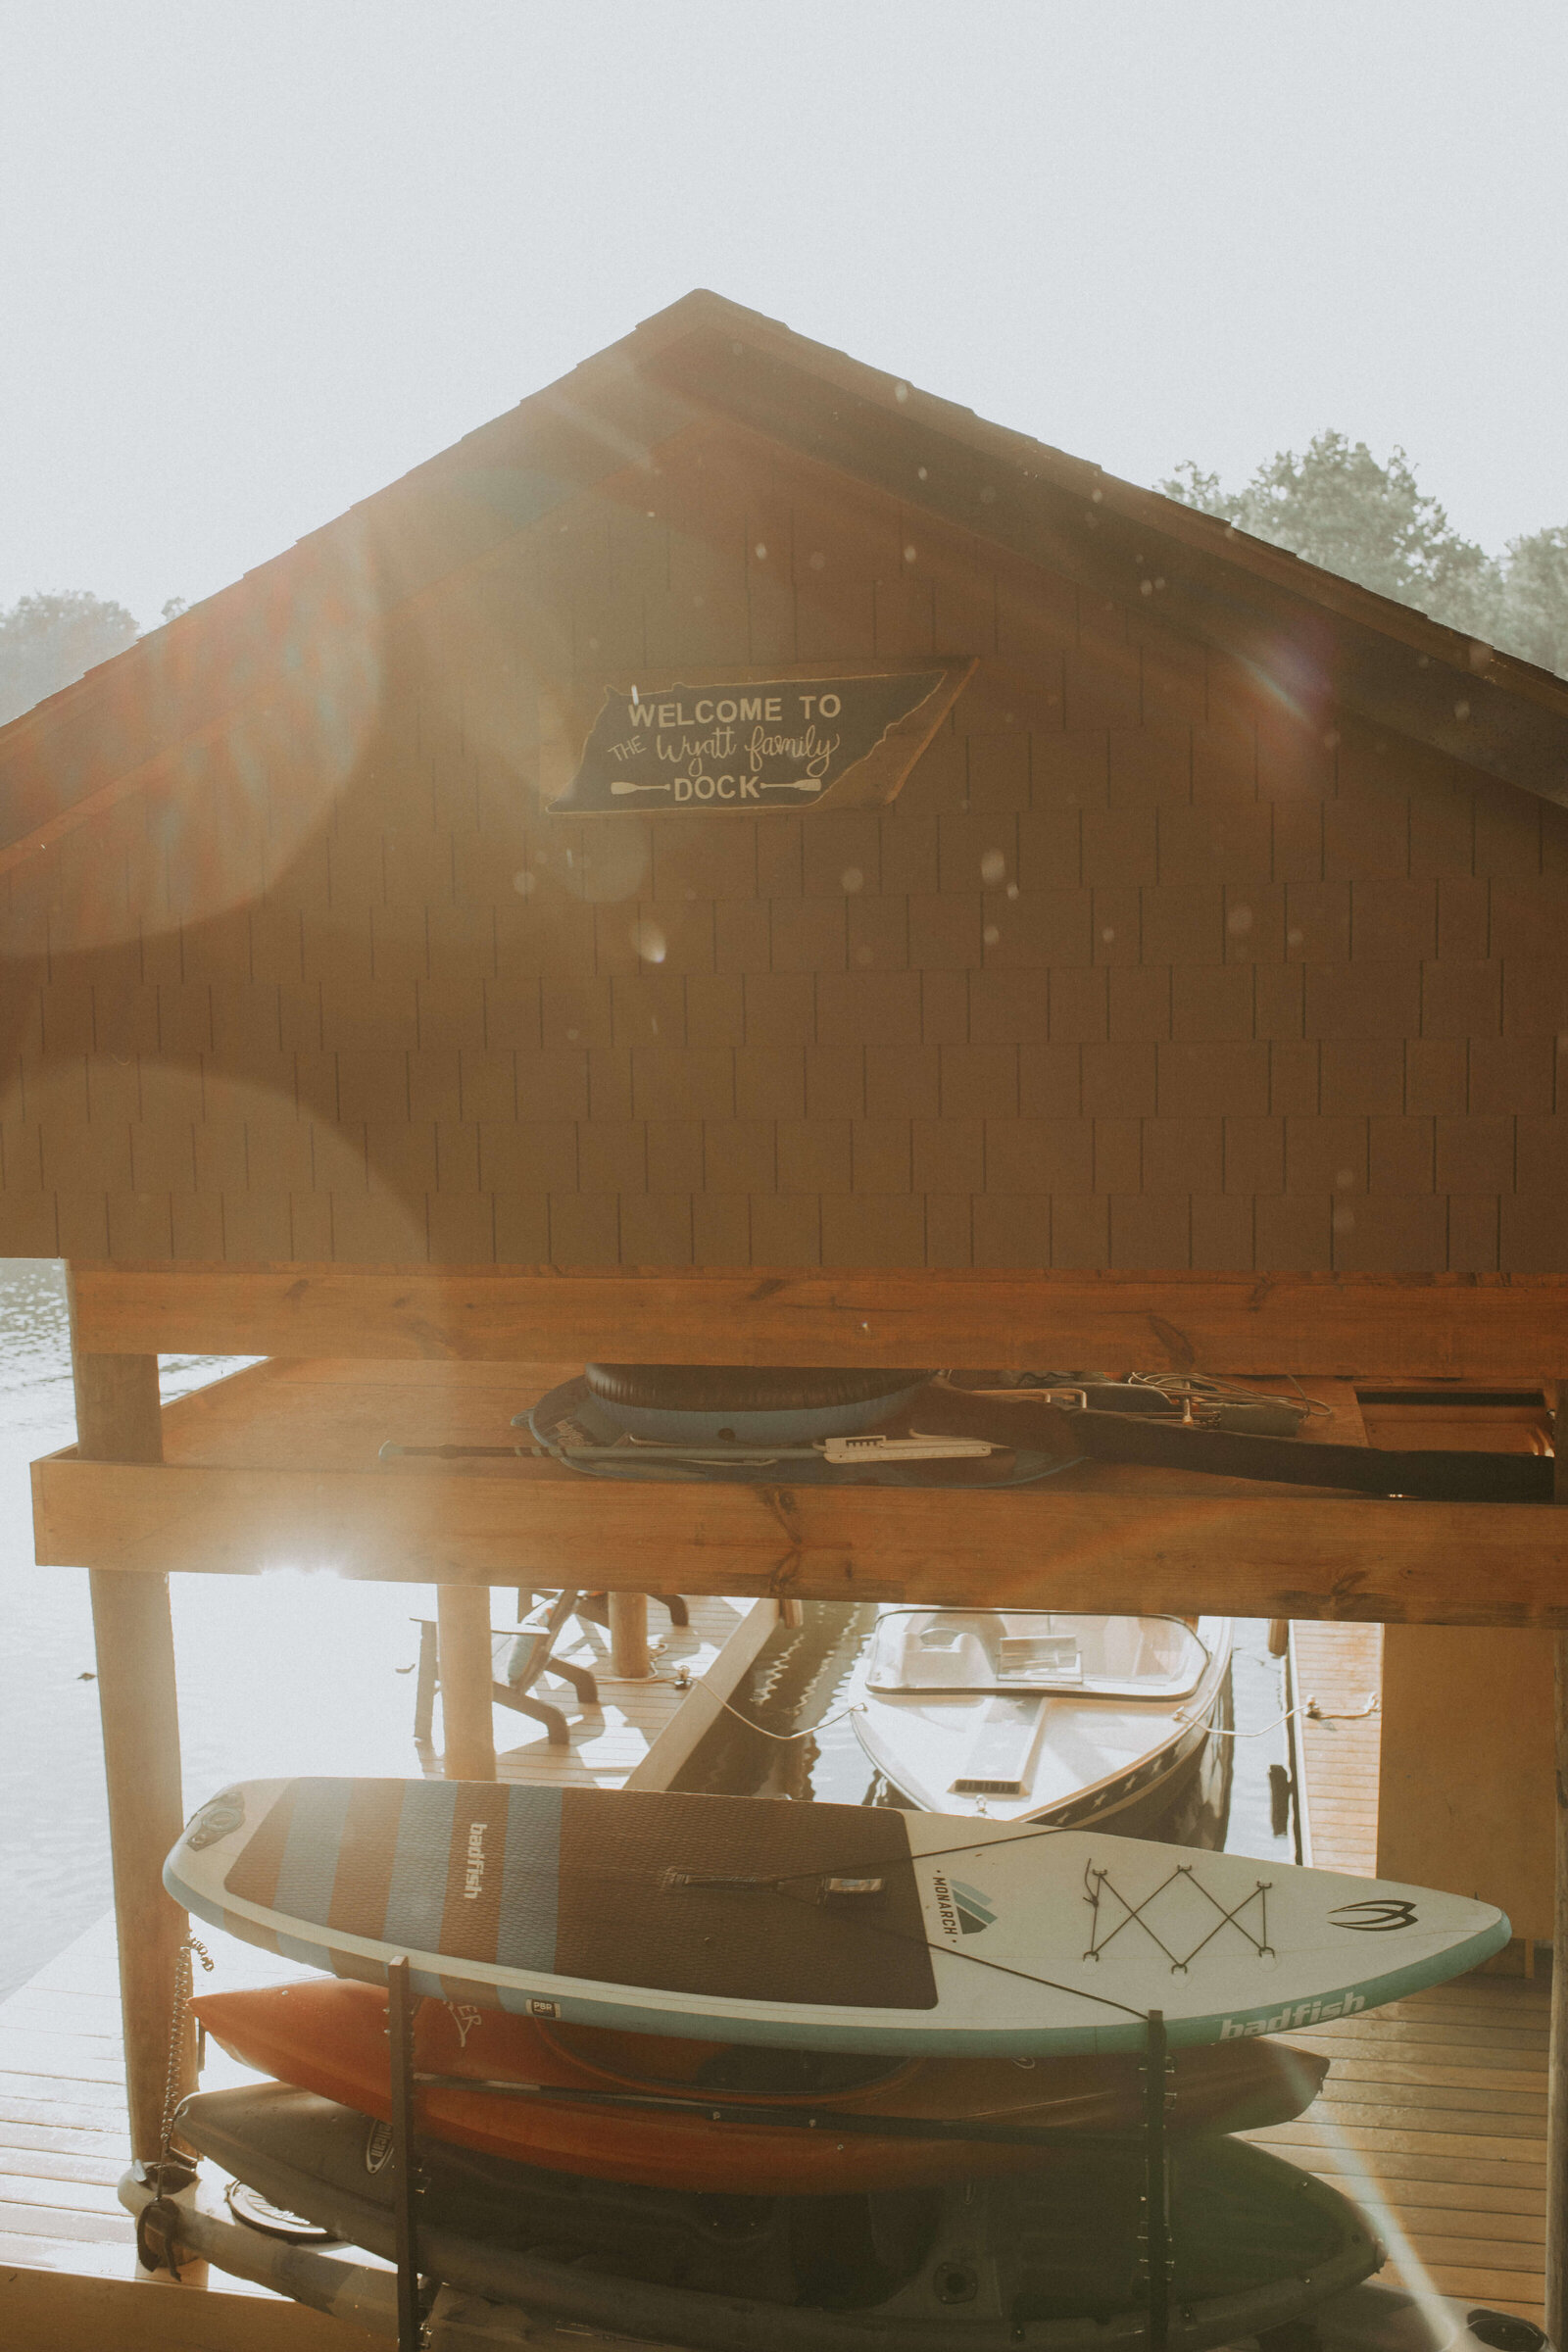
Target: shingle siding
{"points": [[1139, 970]]}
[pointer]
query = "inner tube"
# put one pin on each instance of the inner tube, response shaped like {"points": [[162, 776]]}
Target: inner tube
{"points": [[677, 1404]]}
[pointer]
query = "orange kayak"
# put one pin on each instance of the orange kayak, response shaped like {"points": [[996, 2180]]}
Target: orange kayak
{"points": [[604, 2121]]}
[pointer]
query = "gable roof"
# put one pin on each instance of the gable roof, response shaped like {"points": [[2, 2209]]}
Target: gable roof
{"points": [[1313, 631], [1314, 636]]}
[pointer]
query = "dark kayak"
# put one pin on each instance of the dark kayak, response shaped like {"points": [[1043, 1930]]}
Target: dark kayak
{"points": [[1047, 2259]]}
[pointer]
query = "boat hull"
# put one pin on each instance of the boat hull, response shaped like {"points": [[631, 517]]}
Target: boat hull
{"points": [[330, 2039]]}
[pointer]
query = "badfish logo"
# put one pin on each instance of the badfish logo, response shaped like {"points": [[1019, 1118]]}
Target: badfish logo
{"points": [[474, 1876], [973, 1908], [377, 2147], [1292, 2020], [1375, 1918]]}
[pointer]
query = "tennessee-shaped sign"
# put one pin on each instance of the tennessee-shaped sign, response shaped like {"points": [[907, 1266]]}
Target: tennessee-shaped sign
{"points": [[694, 743]]}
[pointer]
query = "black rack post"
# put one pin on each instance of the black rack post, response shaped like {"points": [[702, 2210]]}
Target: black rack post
{"points": [[400, 2007], [1157, 2186]]}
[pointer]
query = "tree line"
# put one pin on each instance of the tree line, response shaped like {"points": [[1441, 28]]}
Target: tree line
{"points": [[47, 642], [1335, 506]]}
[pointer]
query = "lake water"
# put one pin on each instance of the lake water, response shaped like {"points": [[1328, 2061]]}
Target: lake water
{"points": [[306, 1673], [278, 1673]]}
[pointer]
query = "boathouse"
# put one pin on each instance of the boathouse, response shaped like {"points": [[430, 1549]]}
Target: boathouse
{"points": [[740, 860]]}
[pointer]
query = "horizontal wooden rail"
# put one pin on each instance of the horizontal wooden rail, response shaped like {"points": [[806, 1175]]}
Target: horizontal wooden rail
{"points": [[1487, 1329], [62, 2310], [1268, 1556]]}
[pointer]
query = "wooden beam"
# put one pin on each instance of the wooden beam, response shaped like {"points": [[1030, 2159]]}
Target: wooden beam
{"points": [[117, 1421], [1557, 2059], [61, 2311], [462, 1651], [1481, 1328], [1061, 1544]]}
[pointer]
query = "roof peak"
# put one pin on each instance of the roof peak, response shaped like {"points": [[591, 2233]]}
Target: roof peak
{"points": [[707, 356]]}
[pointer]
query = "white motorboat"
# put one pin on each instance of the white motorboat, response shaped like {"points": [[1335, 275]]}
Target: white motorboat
{"points": [[1033, 1715]]}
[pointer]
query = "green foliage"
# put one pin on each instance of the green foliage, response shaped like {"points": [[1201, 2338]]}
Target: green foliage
{"points": [[1536, 621], [1335, 506], [46, 642]]}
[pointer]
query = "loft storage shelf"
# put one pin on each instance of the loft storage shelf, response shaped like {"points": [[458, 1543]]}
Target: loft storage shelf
{"points": [[1478, 1328], [277, 1466]]}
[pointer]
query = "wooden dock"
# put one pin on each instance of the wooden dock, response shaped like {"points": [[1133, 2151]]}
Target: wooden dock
{"points": [[1336, 1670], [1434, 2119], [1434, 2114]]}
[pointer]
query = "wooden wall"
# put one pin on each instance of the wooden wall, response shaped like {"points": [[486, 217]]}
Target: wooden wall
{"points": [[1465, 1785], [1153, 964]]}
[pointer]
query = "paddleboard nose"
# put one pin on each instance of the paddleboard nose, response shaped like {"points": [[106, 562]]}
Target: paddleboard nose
{"points": [[219, 1818], [215, 1832]]}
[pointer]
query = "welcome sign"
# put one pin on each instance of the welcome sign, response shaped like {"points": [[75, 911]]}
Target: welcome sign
{"points": [[761, 743]]}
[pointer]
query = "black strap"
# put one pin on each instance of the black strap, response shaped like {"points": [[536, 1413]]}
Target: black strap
{"points": [[826, 2120], [1435, 1477]]}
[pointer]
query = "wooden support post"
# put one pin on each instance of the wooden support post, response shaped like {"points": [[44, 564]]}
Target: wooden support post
{"points": [[118, 1420], [424, 1687], [1557, 2058], [628, 1635], [467, 1733], [401, 2008]]}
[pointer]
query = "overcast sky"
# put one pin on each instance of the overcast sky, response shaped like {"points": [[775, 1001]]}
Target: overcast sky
{"points": [[259, 258]]}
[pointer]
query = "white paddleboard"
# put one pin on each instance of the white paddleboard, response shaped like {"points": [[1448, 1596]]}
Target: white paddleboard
{"points": [[747, 1919]]}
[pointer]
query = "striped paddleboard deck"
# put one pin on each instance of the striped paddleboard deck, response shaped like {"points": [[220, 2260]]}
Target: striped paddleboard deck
{"points": [[756, 1919]]}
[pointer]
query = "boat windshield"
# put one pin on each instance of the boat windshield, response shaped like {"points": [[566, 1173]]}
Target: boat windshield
{"points": [[1032, 1650]]}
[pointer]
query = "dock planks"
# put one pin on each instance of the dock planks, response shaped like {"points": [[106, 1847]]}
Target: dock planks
{"points": [[1434, 2119], [1434, 2114], [607, 1748], [1338, 1668]]}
